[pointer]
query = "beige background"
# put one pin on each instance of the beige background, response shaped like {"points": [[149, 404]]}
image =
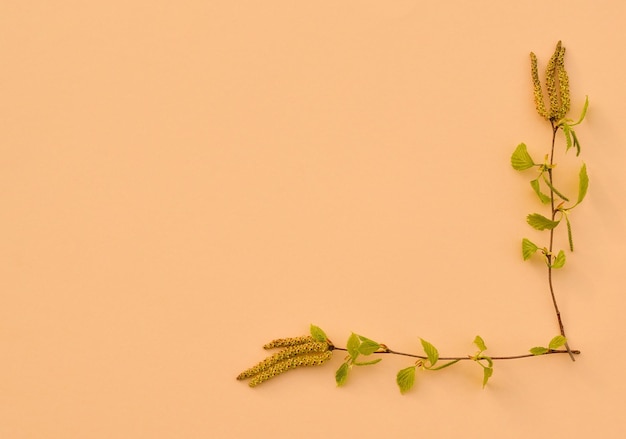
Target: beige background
{"points": [[183, 181]]}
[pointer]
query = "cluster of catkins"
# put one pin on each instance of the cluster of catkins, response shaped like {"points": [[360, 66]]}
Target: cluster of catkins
{"points": [[296, 352], [557, 85]]}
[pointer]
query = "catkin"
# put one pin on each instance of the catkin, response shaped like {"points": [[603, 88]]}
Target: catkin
{"points": [[563, 84], [559, 99], [284, 342], [291, 363], [551, 83], [541, 108], [287, 353]]}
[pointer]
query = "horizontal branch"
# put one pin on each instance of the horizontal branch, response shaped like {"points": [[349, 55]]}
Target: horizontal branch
{"points": [[386, 350]]}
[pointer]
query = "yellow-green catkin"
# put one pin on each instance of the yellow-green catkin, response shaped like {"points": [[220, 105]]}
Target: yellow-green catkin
{"points": [[541, 108], [291, 363], [563, 84], [287, 353], [284, 342], [553, 96]]}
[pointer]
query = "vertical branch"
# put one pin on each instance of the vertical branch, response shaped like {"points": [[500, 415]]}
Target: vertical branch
{"points": [[550, 256]]}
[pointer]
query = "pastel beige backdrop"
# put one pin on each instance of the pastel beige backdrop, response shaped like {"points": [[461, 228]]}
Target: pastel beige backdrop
{"points": [[183, 181]]}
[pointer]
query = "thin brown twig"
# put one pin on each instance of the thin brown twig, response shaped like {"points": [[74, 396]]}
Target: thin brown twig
{"points": [[550, 256], [469, 357]]}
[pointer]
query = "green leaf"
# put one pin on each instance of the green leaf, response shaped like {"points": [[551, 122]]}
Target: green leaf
{"points": [[560, 260], [318, 334], [569, 233], [557, 342], [489, 360], [560, 194], [487, 373], [520, 159], [367, 363], [567, 130], [443, 366], [405, 379], [576, 143], [353, 345], [528, 248], [342, 374], [539, 350], [540, 222], [543, 197], [431, 352], [368, 346], [584, 112], [583, 183], [480, 343]]}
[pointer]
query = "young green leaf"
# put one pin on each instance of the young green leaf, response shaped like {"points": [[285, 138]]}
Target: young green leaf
{"points": [[567, 130], [543, 197], [368, 346], [557, 342], [528, 248], [570, 239], [342, 374], [443, 366], [583, 183], [405, 379], [318, 334], [520, 159], [367, 363], [555, 190], [560, 260], [540, 222], [576, 143], [431, 352], [487, 359], [539, 350], [479, 342], [584, 112], [487, 373], [353, 345]]}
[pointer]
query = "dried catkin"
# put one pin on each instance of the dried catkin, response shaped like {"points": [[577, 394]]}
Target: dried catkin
{"points": [[291, 363], [288, 352], [284, 342]]}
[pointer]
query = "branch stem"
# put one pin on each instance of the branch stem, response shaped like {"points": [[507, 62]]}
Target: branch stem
{"points": [[386, 350], [555, 129]]}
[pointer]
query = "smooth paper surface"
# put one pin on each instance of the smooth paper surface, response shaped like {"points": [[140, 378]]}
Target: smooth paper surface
{"points": [[182, 182]]}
